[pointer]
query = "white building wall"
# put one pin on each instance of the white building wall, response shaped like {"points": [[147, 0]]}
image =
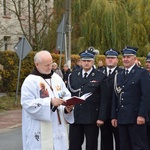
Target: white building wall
{"points": [[10, 30]]}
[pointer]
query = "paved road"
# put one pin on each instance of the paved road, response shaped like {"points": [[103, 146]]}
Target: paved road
{"points": [[10, 130], [11, 139]]}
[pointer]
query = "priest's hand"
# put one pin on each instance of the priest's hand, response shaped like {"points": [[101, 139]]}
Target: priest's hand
{"points": [[57, 101]]}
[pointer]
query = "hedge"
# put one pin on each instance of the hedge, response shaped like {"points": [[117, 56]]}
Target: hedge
{"points": [[10, 62]]}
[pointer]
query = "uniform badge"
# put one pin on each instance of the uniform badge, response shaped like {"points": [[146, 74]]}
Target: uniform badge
{"points": [[93, 81], [133, 70], [78, 73], [93, 74]]}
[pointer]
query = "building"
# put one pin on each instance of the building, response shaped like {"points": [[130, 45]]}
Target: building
{"points": [[22, 17]]}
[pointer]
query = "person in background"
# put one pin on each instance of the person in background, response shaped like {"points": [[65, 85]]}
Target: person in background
{"points": [[57, 70], [107, 131], [100, 65], [137, 62], [43, 127], [148, 63], [77, 66], [1, 69], [66, 71], [92, 113], [148, 124], [130, 103]]}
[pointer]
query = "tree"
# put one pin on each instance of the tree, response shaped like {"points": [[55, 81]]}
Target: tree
{"points": [[34, 17], [114, 24], [103, 24]]}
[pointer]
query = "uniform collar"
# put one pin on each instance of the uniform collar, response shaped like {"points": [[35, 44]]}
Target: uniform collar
{"points": [[86, 72], [112, 69], [129, 69]]}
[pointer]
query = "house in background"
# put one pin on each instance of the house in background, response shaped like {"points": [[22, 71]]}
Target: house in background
{"points": [[22, 17]]}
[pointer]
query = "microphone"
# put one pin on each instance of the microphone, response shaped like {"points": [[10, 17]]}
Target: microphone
{"points": [[61, 95]]}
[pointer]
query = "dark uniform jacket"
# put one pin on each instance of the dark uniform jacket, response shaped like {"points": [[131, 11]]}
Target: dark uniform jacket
{"points": [[65, 75], [96, 106], [110, 80], [149, 107], [132, 98]]}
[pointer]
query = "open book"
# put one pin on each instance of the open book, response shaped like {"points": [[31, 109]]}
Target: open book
{"points": [[77, 100]]}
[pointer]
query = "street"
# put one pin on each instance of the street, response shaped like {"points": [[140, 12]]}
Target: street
{"points": [[11, 139]]}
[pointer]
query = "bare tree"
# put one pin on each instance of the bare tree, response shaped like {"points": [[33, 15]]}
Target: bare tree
{"points": [[34, 17]]}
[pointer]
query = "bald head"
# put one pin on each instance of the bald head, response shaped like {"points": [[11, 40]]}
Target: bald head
{"points": [[39, 56], [43, 61]]}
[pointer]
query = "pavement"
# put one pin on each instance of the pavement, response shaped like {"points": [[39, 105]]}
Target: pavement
{"points": [[10, 119]]}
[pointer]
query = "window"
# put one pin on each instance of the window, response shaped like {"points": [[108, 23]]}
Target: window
{"points": [[19, 7], [6, 42], [46, 7], [4, 8], [6, 11]]}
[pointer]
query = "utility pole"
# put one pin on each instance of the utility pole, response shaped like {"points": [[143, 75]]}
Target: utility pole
{"points": [[64, 34], [68, 30], [29, 17]]}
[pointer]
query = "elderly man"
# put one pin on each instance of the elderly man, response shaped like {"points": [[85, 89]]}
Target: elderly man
{"points": [[93, 112], [131, 103], [43, 128]]}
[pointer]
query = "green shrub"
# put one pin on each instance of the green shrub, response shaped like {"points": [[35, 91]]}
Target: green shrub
{"points": [[10, 62]]}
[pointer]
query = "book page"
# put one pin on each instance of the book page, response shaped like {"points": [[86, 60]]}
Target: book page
{"points": [[86, 95]]}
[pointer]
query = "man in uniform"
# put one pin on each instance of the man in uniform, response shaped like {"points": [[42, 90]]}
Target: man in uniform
{"points": [[148, 69], [131, 102], [93, 112], [107, 131]]}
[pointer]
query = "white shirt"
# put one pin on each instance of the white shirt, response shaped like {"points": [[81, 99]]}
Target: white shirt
{"points": [[112, 69], [129, 69], [86, 72]]}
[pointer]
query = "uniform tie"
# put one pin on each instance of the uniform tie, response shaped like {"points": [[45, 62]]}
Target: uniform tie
{"points": [[85, 75], [126, 72], [109, 72]]}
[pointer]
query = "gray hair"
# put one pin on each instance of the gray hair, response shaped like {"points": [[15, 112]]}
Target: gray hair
{"points": [[39, 55], [54, 64], [66, 65]]}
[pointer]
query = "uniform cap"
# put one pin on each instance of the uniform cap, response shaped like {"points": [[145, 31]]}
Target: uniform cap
{"points": [[148, 57], [111, 53], [128, 50], [89, 54]]}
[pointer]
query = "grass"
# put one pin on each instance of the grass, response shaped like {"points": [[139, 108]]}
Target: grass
{"points": [[9, 102]]}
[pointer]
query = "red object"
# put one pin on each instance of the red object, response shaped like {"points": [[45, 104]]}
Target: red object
{"points": [[74, 100]]}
